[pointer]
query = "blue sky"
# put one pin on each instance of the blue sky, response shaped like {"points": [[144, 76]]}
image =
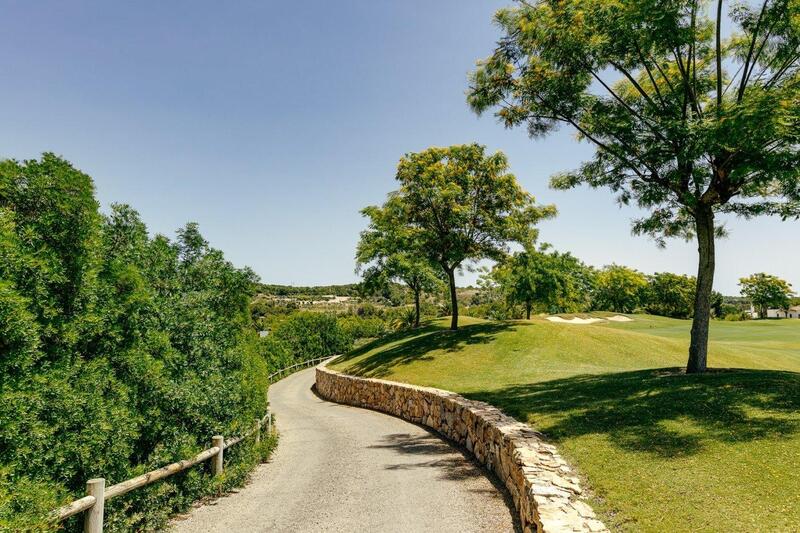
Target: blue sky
{"points": [[272, 123]]}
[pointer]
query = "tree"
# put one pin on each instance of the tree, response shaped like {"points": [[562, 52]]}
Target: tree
{"points": [[619, 289], [458, 205], [535, 278], [114, 345], [766, 291], [388, 254], [670, 295], [648, 84]]}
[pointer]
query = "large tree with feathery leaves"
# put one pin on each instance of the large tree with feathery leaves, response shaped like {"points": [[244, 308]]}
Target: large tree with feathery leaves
{"points": [[693, 107]]}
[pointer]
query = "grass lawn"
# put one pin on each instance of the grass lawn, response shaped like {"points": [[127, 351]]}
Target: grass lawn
{"points": [[660, 450]]}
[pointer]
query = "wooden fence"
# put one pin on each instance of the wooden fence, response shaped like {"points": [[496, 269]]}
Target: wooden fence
{"points": [[97, 493], [289, 369]]}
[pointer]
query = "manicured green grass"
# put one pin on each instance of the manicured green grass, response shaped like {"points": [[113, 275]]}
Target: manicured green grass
{"points": [[660, 450]]}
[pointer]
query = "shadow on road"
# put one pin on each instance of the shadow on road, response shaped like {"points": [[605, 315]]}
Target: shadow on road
{"points": [[453, 463]]}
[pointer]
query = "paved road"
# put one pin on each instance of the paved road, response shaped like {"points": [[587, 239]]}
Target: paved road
{"points": [[341, 468]]}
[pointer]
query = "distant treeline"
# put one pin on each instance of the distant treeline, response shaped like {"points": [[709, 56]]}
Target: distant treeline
{"points": [[350, 289]]}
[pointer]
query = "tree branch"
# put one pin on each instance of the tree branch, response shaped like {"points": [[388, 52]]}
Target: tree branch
{"points": [[633, 81], [719, 58], [627, 107], [745, 75]]}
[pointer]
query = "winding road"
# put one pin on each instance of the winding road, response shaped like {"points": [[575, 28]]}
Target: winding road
{"points": [[341, 468]]}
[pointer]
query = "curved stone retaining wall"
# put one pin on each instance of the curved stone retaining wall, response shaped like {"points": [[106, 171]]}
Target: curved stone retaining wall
{"points": [[544, 488]]}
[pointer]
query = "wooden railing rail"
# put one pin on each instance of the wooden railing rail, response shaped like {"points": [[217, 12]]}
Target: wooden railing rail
{"points": [[304, 364], [94, 501]]}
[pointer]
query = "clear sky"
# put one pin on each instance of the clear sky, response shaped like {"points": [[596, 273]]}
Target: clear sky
{"points": [[272, 123]]}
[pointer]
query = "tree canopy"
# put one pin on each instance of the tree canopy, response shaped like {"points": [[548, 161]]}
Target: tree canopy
{"points": [[385, 252], [618, 288], [687, 122], [670, 295], [457, 205], [550, 281], [766, 291]]}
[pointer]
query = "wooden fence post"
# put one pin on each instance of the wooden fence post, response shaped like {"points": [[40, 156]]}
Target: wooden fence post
{"points": [[216, 462], [269, 424], [93, 519], [257, 430]]}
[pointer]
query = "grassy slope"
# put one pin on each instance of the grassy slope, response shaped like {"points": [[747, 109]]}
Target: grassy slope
{"points": [[661, 450]]}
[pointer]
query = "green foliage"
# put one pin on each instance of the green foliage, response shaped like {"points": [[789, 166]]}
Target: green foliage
{"points": [[766, 291], [24, 503], [308, 335], [670, 295], [358, 327], [405, 318], [619, 289], [551, 282], [120, 352], [276, 353], [687, 123], [266, 312], [307, 293], [670, 133], [732, 314], [386, 252], [456, 205]]}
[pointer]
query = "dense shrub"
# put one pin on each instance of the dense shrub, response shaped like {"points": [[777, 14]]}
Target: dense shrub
{"points": [[358, 327], [619, 289], [308, 335], [402, 318], [276, 353], [368, 309], [670, 295], [495, 310], [120, 352]]}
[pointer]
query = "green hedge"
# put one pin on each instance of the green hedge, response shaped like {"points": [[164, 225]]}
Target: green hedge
{"points": [[120, 352], [309, 335], [363, 328]]}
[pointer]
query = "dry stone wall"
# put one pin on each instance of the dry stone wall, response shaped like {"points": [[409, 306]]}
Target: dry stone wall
{"points": [[545, 490]]}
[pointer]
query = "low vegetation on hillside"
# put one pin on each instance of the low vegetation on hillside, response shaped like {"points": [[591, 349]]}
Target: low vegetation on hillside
{"points": [[661, 450]]}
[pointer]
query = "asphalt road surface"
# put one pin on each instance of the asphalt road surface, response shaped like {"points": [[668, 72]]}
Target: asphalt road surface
{"points": [[341, 468]]}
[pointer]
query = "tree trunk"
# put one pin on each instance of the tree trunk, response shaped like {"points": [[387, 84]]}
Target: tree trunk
{"points": [[698, 345], [416, 308], [451, 278], [528, 310]]}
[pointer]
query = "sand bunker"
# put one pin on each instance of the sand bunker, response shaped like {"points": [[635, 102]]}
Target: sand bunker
{"points": [[591, 320], [574, 320]]}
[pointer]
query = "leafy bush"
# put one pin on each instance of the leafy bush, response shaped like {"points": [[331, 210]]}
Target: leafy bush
{"points": [[24, 503], [358, 327], [404, 318], [619, 289], [276, 353], [309, 335], [120, 352], [670, 295]]}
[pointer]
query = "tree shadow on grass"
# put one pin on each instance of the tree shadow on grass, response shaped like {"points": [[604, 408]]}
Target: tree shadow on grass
{"points": [[664, 412], [419, 346]]}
